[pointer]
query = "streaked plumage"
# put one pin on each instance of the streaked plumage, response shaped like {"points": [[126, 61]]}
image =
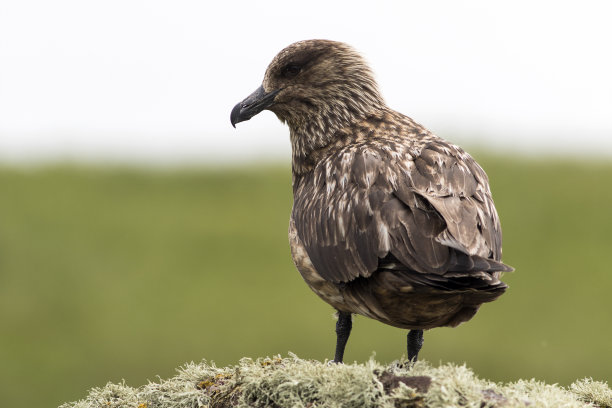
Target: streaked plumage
{"points": [[389, 221]]}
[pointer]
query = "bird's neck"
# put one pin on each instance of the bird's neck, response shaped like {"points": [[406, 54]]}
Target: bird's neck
{"points": [[314, 139]]}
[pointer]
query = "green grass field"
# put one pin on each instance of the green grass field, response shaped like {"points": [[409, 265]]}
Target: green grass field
{"points": [[117, 273]]}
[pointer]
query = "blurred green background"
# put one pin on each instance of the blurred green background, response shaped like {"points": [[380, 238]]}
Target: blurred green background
{"points": [[111, 273]]}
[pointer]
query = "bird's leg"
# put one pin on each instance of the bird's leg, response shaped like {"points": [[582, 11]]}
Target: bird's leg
{"points": [[343, 330], [415, 342]]}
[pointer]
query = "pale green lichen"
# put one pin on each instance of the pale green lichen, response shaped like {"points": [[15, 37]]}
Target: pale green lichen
{"points": [[593, 391], [293, 382]]}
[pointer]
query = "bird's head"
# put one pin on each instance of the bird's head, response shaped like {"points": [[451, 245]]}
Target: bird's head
{"points": [[315, 86]]}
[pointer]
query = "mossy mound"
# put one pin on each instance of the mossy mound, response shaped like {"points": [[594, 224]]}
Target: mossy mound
{"points": [[293, 382]]}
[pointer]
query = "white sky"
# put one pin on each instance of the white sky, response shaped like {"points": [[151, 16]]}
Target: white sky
{"points": [[155, 81]]}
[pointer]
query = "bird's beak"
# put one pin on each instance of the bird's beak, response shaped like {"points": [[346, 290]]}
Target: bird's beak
{"points": [[252, 105]]}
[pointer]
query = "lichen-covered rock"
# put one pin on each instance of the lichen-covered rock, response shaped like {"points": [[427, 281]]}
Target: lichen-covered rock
{"points": [[293, 382]]}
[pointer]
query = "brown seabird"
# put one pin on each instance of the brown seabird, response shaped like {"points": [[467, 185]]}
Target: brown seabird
{"points": [[389, 221]]}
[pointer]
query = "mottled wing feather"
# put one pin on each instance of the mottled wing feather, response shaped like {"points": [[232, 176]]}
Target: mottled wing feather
{"points": [[458, 188], [433, 213]]}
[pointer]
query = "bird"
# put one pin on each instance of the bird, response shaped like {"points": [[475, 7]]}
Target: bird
{"points": [[389, 221]]}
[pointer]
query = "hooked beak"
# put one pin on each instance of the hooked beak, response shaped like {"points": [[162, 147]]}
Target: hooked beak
{"points": [[252, 105]]}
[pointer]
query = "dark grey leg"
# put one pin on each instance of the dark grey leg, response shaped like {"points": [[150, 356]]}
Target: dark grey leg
{"points": [[415, 342], [343, 330]]}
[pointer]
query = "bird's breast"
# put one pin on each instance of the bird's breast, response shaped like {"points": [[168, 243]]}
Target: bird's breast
{"points": [[327, 291]]}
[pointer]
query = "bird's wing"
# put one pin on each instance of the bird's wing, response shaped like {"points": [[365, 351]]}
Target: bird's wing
{"points": [[458, 188], [432, 211]]}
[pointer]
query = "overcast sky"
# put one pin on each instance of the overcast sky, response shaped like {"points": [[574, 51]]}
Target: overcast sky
{"points": [[155, 81]]}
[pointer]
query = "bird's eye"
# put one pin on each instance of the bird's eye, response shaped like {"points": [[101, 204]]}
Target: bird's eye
{"points": [[291, 70]]}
